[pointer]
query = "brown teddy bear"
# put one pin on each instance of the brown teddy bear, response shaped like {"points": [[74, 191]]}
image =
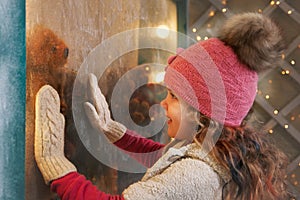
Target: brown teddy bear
{"points": [[46, 58]]}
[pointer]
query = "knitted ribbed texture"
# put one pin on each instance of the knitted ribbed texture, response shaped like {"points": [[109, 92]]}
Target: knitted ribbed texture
{"points": [[115, 131], [49, 136], [209, 76]]}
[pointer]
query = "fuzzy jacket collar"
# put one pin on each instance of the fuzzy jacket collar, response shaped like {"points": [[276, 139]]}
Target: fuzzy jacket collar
{"points": [[188, 151]]}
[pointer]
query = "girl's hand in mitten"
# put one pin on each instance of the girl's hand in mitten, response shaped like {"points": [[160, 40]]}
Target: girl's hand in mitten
{"points": [[49, 136], [98, 112]]}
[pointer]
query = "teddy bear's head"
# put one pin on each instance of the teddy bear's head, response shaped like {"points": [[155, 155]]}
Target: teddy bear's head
{"points": [[45, 49]]}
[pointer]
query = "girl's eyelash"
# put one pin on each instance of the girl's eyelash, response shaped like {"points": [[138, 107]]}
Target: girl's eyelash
{"points": [[172, 95]]}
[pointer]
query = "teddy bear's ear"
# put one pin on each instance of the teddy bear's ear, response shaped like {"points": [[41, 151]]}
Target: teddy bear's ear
{"points": [[38, 30], [35, 29]]}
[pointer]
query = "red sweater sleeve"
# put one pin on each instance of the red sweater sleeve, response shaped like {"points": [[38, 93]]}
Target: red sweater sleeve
{"points": [[74, 186], [133, 142], [144, 150]]}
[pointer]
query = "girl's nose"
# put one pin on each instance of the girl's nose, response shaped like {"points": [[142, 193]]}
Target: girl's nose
{"points": [[163, 103]]}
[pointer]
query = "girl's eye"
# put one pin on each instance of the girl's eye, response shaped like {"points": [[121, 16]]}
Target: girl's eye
{"points": [[172, 95]]}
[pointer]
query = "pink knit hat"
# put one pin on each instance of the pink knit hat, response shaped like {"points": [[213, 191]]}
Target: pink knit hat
{"points": [[218, 76], [209, 76]]}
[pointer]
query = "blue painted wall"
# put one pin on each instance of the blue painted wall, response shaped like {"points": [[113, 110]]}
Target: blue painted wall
{"points": [[12, 99]]}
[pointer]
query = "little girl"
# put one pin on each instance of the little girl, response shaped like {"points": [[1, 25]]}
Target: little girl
{"points": [[214, 154]]}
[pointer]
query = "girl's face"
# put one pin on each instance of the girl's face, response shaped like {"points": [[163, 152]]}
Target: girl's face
{"points": [[173, 113], [181, 124]]}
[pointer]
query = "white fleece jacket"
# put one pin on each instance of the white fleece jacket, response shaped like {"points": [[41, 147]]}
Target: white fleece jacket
{"points": [[182, 173]]}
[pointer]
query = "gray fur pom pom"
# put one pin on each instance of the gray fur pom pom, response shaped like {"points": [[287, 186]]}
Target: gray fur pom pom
{"points": [[256, 40]]}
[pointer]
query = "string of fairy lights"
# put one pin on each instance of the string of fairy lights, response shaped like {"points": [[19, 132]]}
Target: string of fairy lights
{"points": [[282, 116]]}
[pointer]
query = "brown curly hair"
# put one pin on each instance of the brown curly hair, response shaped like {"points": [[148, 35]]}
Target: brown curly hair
{"points": [[256, 166]]}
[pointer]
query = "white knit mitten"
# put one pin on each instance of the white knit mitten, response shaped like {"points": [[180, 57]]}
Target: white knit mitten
{"points": [[99, 114], [49, 136]]}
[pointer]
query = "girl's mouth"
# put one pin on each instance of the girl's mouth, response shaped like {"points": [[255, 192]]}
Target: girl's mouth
{"points": [[169, 120]]}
